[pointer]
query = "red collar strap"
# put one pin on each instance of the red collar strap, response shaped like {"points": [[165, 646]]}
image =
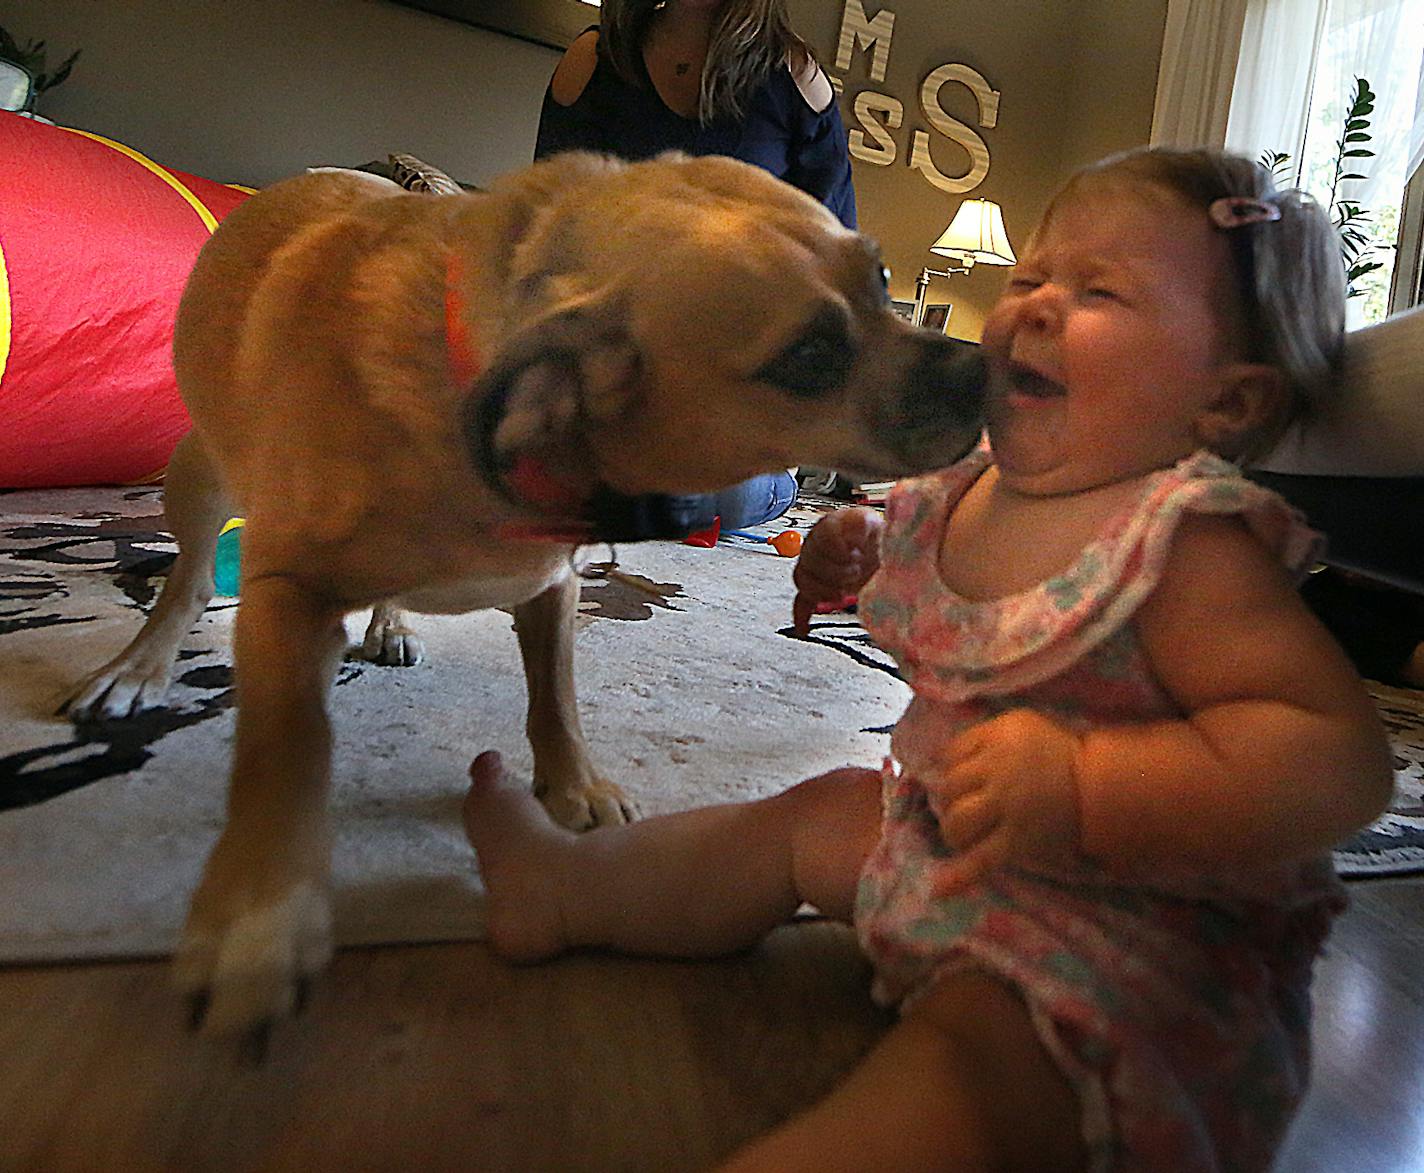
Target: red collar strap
{"points": [[463, 361]]}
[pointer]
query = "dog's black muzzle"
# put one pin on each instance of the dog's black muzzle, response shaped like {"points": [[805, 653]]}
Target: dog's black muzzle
{"points": [[932, 413]]}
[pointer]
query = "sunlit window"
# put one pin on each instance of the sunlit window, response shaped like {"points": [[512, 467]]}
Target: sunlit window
{"points": [[1382, 42], [1298, 99]]}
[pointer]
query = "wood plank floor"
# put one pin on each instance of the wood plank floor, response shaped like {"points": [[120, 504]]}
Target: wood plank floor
{"points": [[439, 1057]]}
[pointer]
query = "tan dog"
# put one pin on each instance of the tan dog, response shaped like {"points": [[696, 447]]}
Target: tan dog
{"points": [[434, 400]]}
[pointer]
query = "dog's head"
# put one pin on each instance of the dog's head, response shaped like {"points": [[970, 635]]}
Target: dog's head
{"points": [[682, 324]]}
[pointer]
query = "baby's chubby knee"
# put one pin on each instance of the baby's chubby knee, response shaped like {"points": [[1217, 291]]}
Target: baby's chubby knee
{"points": [[834, 824], [849, 793]]}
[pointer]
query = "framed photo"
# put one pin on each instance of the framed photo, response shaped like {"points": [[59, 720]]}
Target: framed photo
{"points": [[937, 318], [545, 22]]}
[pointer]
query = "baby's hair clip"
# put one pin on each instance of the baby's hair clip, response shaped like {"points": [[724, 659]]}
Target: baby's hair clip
{"points": [[1238, 211]]}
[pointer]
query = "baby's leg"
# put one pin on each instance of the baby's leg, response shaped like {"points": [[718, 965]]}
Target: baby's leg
{"points": [[961, 1082], [693, 884]]}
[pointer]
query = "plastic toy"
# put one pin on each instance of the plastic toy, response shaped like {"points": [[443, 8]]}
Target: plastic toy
{"points": [[227, 569], [704, 539], [787, 543]]}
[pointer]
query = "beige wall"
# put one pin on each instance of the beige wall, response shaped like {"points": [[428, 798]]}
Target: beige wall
{"points": [[1076, 80], [249, 91]]}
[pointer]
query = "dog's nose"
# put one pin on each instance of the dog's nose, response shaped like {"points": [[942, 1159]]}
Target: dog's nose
{"points": [[944, 387]]}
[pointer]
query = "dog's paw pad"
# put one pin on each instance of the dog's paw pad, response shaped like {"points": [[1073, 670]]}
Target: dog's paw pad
{"points": [[115, 693], [598, 805]]}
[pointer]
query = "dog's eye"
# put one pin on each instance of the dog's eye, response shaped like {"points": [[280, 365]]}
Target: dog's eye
{"points": [[817, 363]]}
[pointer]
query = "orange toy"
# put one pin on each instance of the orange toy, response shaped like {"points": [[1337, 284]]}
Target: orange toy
{"points": [[787, 543]]}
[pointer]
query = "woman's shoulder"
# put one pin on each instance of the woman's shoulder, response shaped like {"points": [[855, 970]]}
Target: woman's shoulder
{"points": [[812, 83], [575, 69]]}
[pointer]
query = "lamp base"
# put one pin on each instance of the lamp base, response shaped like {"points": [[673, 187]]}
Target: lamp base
{"points": [[922, 288]]}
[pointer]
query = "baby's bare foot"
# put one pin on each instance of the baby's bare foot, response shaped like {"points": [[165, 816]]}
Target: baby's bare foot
{"points": [[520, 852]]}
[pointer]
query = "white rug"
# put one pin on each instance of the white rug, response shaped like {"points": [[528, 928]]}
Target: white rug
{"points": [[1394, 845], [691, 692]]}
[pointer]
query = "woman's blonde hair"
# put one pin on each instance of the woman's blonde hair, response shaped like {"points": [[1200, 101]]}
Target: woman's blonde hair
{"points": [[1290, 274], [749, 39]]}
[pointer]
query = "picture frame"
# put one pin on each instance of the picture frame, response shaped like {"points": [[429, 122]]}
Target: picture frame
{"points": [[937, 318], [554, 23]]}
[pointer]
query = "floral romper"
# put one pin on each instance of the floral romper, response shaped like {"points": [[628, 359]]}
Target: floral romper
{"points": [[1177, 1006]]}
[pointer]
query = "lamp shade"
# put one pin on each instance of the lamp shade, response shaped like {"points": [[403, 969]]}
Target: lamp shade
{"points": [[976, 235]]}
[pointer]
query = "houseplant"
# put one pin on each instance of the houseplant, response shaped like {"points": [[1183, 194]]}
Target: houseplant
{"points": [[1351, 219]]}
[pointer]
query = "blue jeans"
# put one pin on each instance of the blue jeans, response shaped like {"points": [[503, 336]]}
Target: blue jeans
{"points": [[755, 501]]}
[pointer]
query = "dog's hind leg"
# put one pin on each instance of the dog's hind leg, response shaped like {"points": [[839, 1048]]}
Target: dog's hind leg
{"points": [[574, 793], [195, 507], [390, 639]]}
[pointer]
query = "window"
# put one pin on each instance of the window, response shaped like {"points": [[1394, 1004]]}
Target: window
{"points": [[1295, 78]]}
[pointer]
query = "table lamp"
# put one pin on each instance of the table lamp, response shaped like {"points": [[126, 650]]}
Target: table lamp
{"points": [[975, 236]]}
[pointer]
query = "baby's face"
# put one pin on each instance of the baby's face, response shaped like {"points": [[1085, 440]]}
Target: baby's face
{"points": [[1107, 344]]}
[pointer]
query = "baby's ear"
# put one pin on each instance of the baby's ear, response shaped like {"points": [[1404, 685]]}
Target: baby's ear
{"points": [[1251, 398]]}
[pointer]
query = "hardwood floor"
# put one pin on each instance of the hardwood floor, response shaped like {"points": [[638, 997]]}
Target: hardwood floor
{"points": [[438, 1057], [1365, 1113]]}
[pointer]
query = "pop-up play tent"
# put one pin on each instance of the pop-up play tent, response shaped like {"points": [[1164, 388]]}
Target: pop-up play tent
{"points": [[96, 242]]}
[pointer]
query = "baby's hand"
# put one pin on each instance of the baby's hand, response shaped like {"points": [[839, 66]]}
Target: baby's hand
{"points": [[1007, 795], [840, 554]]}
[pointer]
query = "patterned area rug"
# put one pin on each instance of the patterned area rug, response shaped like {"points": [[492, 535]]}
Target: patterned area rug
{"points": [[1394, 845], [692, 691]]}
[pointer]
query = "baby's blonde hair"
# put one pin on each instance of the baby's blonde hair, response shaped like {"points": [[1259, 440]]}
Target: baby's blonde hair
{"points": [[1290, 275]]}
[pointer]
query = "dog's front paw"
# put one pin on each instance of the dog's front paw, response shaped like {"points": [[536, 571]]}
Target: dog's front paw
{"points": [[121, 688], [593, 803], [244, 963]]}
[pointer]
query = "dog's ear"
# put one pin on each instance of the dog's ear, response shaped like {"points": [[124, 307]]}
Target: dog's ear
{"points": [[529, 416]]}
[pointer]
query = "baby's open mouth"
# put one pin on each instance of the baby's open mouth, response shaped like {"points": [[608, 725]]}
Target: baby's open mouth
{"points": [[1026, 381]]}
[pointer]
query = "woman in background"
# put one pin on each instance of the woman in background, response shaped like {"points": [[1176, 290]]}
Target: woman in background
{"points": [[706, 77]]}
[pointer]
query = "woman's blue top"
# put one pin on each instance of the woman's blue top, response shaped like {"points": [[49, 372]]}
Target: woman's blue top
{"points": [[778, 132]]}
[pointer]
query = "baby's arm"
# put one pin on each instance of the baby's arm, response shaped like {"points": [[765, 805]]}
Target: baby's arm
{"points": [[1281, 754], [841, 552]]}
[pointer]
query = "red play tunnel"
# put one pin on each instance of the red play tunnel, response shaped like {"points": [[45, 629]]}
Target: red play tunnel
{"points": [[96, 242]]}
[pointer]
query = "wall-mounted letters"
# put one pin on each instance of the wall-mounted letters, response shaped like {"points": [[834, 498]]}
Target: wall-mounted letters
{"points": [[875, 115]]}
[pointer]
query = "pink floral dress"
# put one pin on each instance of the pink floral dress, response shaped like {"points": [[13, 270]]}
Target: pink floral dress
{"points": [[1178, 1006]]}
